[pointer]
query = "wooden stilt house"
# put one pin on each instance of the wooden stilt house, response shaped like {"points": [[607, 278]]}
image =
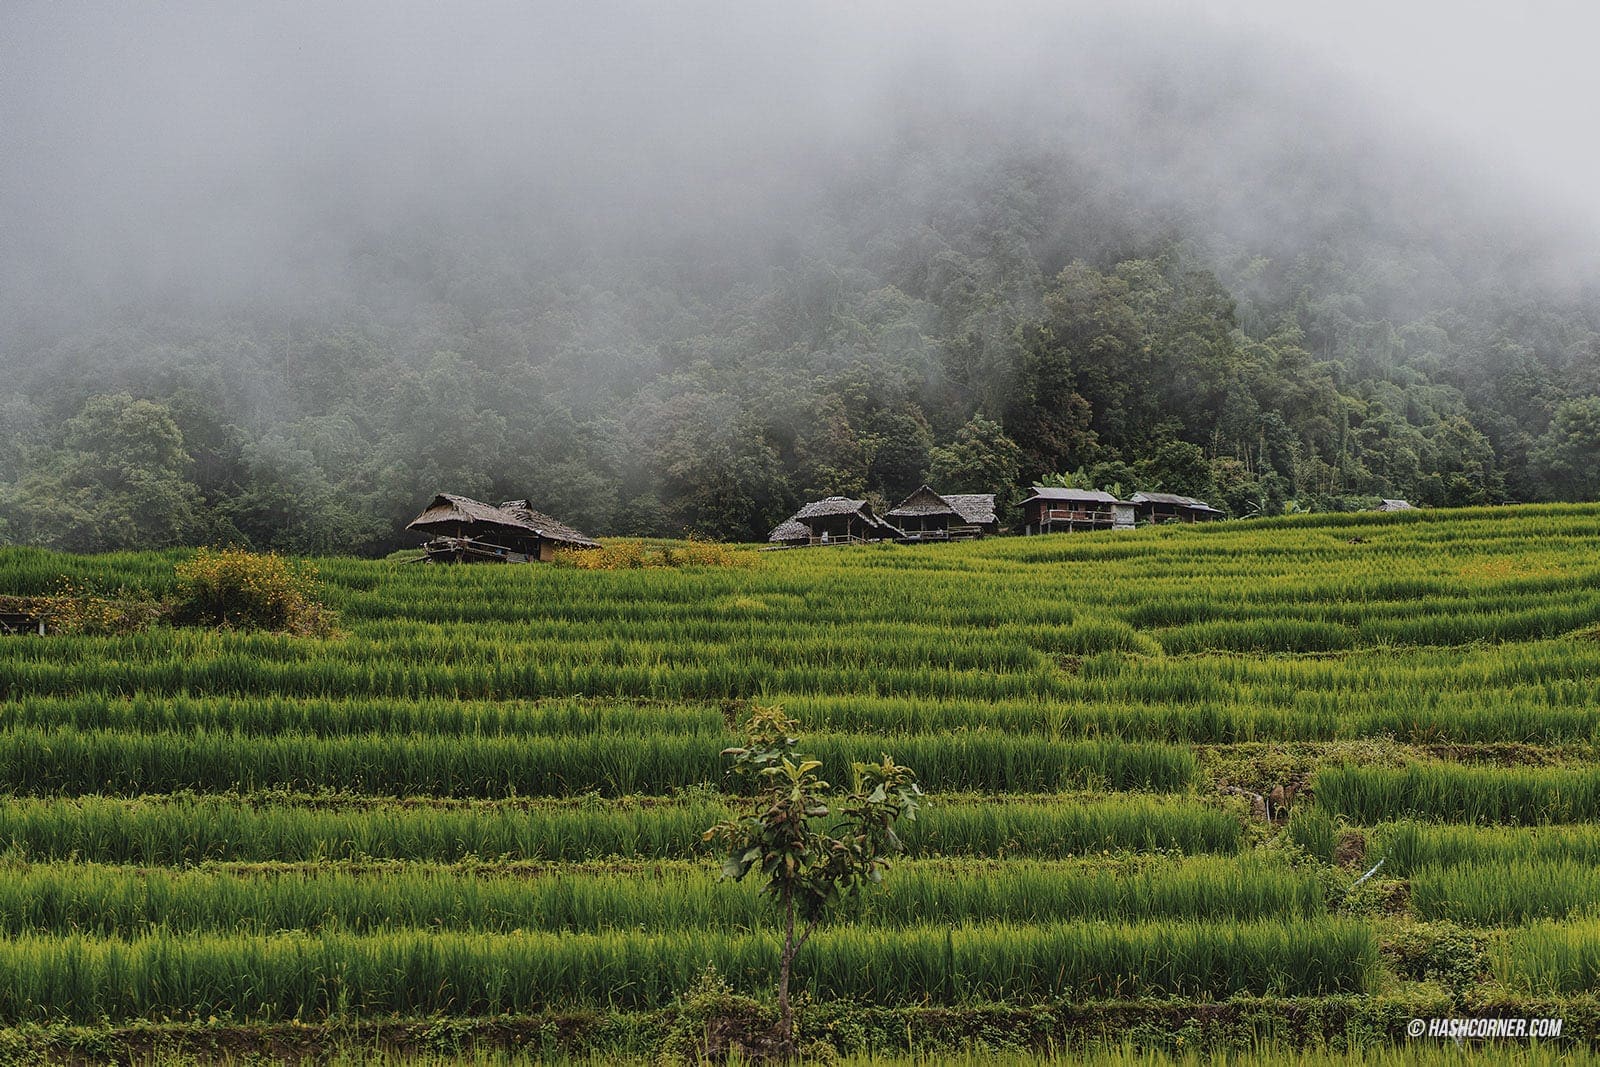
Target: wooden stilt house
{"points": [[1052, 510], [463, 530], [929, 516], [836, 520]]}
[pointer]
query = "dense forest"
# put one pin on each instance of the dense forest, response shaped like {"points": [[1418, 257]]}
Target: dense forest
{"points": [[962, 301]]}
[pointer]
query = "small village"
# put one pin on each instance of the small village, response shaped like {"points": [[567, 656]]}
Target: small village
{"points": [[462, 530]]}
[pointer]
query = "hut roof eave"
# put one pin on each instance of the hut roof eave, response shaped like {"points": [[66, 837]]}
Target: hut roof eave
{"points": [[789, 531]]}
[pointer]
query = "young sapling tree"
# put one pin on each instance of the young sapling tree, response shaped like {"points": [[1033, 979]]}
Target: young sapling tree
{"points": [[807, 868]]}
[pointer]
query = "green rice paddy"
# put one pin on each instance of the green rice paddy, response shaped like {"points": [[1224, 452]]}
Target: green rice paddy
{"points": [[483, 800]]}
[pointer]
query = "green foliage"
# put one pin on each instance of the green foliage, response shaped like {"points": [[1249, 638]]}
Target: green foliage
{"points": [[1564, 456], [981, 459], [1439, 952], [1315, 831], [801, 864], [710, 1022], [120, 479], [807, 869]]}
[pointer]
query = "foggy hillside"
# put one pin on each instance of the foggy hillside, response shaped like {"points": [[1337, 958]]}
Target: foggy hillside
{"points": [[278, 275]]}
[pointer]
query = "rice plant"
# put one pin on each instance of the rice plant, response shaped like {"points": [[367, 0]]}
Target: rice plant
{"points": [[660, 897], [78, 978], [186, 830], [1457, 793]]}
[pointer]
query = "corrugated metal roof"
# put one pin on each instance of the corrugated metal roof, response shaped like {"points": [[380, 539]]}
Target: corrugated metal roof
{"points": [[1172, 498], [1092, 496]]}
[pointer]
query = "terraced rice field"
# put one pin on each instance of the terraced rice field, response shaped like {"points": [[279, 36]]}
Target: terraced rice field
{"points": [[472, 821]]}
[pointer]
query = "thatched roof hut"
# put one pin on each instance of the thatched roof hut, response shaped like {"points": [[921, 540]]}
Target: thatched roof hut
{"points": [[926, 514], [463, 529], [834, 520], [790, 532]]}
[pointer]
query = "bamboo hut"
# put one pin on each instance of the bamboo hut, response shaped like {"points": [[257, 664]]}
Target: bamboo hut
{"points": [[463, 530]]}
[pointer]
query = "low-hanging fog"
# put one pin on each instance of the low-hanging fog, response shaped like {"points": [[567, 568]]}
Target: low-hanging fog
{"points": [[681, 267]]}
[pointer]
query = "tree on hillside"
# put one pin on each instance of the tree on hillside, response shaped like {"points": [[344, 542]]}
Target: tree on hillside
{"points": [[1045, 415], [982, 459], [119, 481], [1175, 466], [1567, 456]]}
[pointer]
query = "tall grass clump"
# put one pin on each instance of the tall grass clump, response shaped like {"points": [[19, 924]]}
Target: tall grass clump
{"points": [[184, 830], [1552, 958], [69, 761], [66, 898], [1509, 894], [1313, 829], [1458, 793], [1414, 846]]}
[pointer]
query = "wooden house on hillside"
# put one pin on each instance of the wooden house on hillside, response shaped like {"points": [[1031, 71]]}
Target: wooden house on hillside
{"points": [[1394, 505], [836, 520], [1051, 510], [1170, 507], [463, 530], [929, 516]]}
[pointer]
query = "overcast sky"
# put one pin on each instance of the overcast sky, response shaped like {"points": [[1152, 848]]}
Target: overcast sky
{"points": [[1517, 82], [186, 137]]}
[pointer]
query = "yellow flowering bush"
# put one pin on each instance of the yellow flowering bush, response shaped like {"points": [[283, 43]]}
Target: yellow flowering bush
{"points": [[628, 554], [250, 590]]}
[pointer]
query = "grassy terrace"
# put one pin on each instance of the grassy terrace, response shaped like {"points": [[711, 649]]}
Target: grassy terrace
{"points": [[479, 807]]}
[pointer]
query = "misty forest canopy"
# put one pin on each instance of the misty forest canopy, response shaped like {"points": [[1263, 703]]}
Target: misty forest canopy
{"points": [[974, 299]]}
